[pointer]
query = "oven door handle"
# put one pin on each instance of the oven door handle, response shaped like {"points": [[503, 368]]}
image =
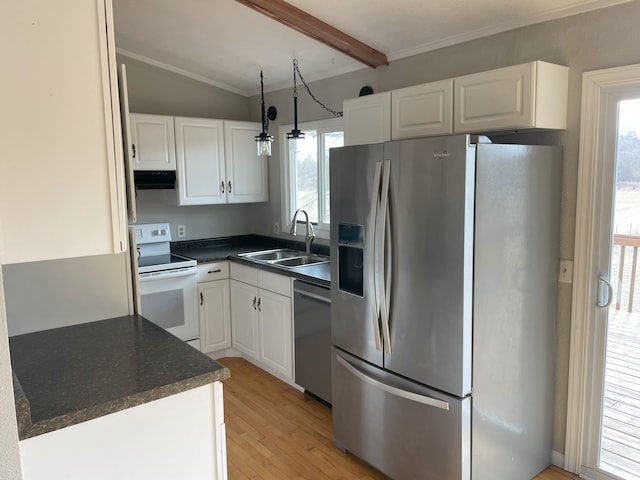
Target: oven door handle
{"points": [[178, 272]]}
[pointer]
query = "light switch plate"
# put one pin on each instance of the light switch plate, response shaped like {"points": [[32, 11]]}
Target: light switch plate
{"points": [[565, 271]]}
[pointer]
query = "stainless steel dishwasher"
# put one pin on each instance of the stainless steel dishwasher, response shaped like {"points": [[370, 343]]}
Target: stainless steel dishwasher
{"points": [[312, 324]]}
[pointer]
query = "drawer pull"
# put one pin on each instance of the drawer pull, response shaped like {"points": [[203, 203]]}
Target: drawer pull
{"points": [[214, 271]]}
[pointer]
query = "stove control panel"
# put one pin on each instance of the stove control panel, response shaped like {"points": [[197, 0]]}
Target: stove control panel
{"points": [[152, 233]]}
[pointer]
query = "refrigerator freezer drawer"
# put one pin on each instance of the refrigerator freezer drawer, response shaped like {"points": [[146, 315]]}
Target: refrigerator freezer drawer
{"points": [[403, 429]]}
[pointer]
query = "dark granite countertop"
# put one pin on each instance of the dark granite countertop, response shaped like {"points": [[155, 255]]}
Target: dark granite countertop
{"points": [[68, 375], [228, 248]]}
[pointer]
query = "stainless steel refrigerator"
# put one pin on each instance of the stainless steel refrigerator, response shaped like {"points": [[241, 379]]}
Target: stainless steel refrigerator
{"points": [[444, 259]]}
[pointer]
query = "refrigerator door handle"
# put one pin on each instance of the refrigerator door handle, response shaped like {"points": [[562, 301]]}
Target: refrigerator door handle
{"points": [[398, 392], [372, 275], [382, 278]]}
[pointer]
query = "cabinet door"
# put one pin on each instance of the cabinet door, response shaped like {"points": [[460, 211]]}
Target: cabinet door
{"points": [[531, 95], [422, 110], [62, 181], [367, 119], [200, 161], [247, 178], [276, 349], [153, 142], [244, 320], [215, 315], [127, 144]]}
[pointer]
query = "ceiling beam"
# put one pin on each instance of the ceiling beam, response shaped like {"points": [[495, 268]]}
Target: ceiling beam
{"points": [[315, 28]]}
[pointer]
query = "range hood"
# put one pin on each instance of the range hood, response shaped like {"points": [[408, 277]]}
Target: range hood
{"points": [[154, 179]]}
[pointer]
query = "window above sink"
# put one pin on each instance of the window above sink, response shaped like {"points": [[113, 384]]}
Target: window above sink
{"points": [[305, 171]]}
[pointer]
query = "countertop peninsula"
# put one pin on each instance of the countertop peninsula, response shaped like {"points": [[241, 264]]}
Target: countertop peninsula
{"points": [[68, 375]]}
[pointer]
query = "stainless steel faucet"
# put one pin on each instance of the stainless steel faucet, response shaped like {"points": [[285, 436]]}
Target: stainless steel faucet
{"points": [[309, 235]]}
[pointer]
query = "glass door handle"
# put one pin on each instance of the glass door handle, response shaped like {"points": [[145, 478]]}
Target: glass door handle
{"points": [[603, 284]]}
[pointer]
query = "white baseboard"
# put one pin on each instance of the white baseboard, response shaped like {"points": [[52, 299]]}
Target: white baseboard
{"points": [[557, 459]]}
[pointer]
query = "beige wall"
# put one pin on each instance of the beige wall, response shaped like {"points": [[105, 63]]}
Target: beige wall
{"points": [[596, 40], [158, 91]]}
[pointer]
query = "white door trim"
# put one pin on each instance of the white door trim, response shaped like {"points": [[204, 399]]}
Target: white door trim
{"points": [[595, 86]]}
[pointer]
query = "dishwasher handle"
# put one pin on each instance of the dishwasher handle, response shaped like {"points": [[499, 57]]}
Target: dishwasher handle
{"points": [[314, 296]]}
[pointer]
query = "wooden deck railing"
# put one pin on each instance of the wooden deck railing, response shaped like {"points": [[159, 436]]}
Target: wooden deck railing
{"points": [[624, 242]]}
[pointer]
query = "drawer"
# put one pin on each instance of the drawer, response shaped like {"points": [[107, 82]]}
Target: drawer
{"points": [[213, 271], [245, 274], [275, 283]]}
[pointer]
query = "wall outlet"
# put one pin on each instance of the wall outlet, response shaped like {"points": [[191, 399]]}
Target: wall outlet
{"points": [[565, 271], [182, 231], [276, 227]]}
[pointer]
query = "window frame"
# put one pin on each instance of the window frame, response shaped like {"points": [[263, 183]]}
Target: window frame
{"points": [[322, 230]]}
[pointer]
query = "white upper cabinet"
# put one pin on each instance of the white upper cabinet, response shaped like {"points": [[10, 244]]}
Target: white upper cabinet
{"points": [[528, 96], [422, 110], [531, 95], [201, 178], [152, 142], [367, 119], [247, 177], [62, 181]]}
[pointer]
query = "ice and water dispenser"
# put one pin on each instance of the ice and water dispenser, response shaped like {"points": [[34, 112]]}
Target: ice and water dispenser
{"points": [[350, 258]]}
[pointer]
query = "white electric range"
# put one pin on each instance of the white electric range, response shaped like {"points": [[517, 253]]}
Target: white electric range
{"points": [[166, 283]]}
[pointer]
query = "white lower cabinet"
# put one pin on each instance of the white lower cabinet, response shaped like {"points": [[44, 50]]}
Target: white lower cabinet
{"points": [[214, 306], [244, 324], [261, 317], [179, 436]]}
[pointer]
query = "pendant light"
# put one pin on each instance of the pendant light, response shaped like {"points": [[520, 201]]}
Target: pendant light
{"points": [[295, 133], [263, 140]]}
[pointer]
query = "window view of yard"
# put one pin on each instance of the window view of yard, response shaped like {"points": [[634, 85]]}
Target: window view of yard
{"points": [[311, 167]]}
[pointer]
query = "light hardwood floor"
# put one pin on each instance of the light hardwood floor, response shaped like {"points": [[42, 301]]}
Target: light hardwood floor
{"points": [[275, 432]]}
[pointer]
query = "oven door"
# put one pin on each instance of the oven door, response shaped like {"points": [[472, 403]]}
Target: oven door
{"points": [[169, 299]]}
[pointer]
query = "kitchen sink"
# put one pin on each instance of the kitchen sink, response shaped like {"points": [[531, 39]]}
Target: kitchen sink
{"points": [[272, 255], [306, 259], [285, 257]]}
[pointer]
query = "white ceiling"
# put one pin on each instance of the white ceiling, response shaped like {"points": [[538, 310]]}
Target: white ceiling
{"points": [[225, 44]]}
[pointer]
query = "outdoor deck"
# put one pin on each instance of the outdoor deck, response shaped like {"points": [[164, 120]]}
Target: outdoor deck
{"points": [[620, 452]]}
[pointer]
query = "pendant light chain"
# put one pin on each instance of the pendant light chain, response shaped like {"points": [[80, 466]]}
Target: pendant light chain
{"points": [[295, 90]]}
